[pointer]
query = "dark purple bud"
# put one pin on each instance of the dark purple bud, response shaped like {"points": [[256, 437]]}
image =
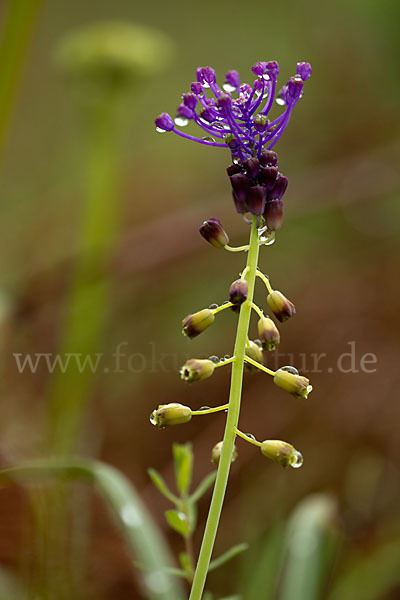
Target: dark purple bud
{"points": [[206, 75], [196, 88], [304, 70], [231, 141], [252, 166], [233, 169], [261, 123], [258, 85], [232, 78], [259, 68], [268, 157], [164, 122], [207, 115], [240, 185], [256, 199], [238, 291], [272, 69], [185, 112], [294, 89], [213, 232], [267, 177], [240, 205], [273, 214], [279, 188], [224, 100], [189, 100]]}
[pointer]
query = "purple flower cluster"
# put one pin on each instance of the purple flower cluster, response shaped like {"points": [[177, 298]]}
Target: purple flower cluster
{"points": [[241, 124]]}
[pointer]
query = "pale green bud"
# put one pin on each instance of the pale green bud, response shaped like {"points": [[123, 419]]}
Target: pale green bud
{"points": [[269, 334], [193, 325], [170, 414], [253, 351], [297, 385], [280, 306], [216, 453], [282, 453], [196, 369]]}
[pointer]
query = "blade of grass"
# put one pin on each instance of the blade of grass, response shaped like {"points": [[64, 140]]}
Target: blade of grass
{"points": [[141, 535]]}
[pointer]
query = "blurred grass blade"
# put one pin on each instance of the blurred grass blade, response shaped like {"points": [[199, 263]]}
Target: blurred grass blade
{"points": [[10, 587], [228, 555], [183, 462], [143, 539], [262, 564], [162, 486], [375, 574], [311, 542], [203, 486]]}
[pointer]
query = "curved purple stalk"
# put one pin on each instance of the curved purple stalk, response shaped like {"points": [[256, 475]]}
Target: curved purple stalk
{"points": [[195, 139]]}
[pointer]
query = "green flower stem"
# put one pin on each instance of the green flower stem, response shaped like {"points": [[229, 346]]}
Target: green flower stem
{"points": [[259, 365], [265, 280], [258, 310], [238, 249], [231, 424], [15, 37], [225, 362], [247, 438], [209, 411], [222, 307]]}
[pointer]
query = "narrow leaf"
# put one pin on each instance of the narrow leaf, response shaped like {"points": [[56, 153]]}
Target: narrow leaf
{"points": [[228, 555], [177, 521], [183, 462], [203, 486], [185, 561], [162, 486], [143, 538]]}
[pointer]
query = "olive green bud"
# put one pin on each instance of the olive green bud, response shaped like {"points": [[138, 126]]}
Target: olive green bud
{"points": [[253, 351], [282, 453], [216, 453], [196, 369], [280, 306], [238, 291], [269, 334], [194, 324], [297, 385], [170, 414]]}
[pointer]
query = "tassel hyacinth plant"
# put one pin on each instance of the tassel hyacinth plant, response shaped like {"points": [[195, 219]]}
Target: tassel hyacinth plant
{"points": [[236, 117]]}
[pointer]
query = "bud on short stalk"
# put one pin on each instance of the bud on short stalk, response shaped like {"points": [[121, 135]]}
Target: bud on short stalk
{"points": [[268, 333], [196, 369], [193, 325], [297, 385], [282, 308], [170, 414]]}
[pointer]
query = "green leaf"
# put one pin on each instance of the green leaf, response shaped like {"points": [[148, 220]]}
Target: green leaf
{"points": [[162, 486], [177, 521], [142, 537], [311, 542], [203, 486], [228, 555], [183, 462]]}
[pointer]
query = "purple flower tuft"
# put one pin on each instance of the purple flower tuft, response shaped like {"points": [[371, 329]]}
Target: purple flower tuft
{"points": [[232, 78], [304, 70], [164, 122]]}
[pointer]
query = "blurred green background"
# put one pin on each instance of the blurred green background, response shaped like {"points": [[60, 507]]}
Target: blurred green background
{"points": [[336, 257]]}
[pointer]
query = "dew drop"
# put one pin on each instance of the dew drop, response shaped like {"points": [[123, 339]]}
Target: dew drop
{"points": [[153, 418], [290, 369], [236, 160], [297, 460], [213, 306], [251, 436], [208, 138], [204, 408], [159, 130], [269, 239], [205, 84], [228, 87], [214, 358], [280, 101], [227, 357], [181, 121]]}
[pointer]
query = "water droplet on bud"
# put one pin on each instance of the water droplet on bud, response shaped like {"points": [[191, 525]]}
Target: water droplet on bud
{"points": [[181, 122], [280, 101], [297, 460], [152, 419], [213, 358], [251, 436], [213, 306], [290, 369], [228, 87], [159, 130], [204, 408]]}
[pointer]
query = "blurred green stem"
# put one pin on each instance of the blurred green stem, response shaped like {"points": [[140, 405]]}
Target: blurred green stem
{"points": [[15, 37], [231, 423]]}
